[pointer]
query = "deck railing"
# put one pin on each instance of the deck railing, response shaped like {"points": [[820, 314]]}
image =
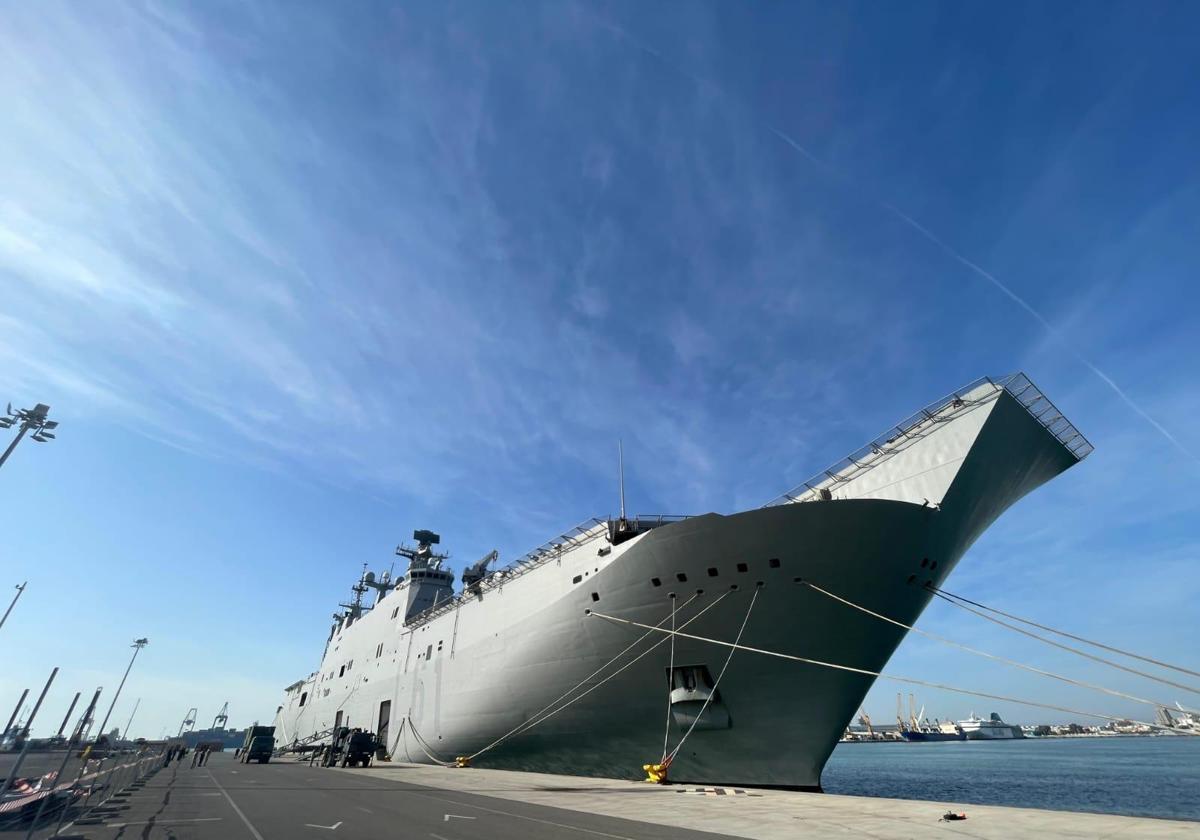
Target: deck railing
{"points": [[1045, 412], [583, 533], [928, 418]]}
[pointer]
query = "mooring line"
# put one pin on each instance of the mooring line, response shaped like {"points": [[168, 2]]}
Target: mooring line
{"points": [[1031, 668], [908, 680], [1091, 642], [713, 692], [1067, 648], [544, 717]]}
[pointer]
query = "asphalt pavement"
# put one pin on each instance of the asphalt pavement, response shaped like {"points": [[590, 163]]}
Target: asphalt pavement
{"points": [[231, 801]]}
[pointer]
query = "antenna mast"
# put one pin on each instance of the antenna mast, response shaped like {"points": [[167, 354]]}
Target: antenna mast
{"points": [[354, 608], [621, 474]]}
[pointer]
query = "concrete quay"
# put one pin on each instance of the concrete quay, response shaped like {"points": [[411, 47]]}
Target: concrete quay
{"points": [[289, 799], [776, 815]]}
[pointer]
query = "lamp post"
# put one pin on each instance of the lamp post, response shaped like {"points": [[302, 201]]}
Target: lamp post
{"points": [[137, 646], [131, 714], [20, 592], [30, 420], [24, 733]]}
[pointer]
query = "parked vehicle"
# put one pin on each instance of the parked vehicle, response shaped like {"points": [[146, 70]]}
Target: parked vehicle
{"points": [[350, 748], [259, 744], [360, 746]]}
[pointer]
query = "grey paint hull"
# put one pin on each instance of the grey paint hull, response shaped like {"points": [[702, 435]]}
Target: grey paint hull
{"points": [[464, 679]]}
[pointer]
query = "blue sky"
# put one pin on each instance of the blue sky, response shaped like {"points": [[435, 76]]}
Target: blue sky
{"points": [[298, 279]]}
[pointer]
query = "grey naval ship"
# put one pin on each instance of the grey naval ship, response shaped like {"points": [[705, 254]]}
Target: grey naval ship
{"points": [[439, 673]]}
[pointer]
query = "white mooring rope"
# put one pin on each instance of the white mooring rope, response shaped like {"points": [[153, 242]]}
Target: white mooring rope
{"points": [[1100, 645], [425, 748], [717, 683], [1114, 692], [535, 720], [670, 682], [1067, 648], [907, 680]]}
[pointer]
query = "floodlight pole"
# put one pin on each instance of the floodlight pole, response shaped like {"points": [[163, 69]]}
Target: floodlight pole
{"points": [[67, 716], [13, 445], [34, 420], [24, 733], [137, 646], [20, 592], [131, 714]]}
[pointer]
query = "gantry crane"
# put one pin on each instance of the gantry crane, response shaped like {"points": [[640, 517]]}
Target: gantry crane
{"points": [[222, 717]]}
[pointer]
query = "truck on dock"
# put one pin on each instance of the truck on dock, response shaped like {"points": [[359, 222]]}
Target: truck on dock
{"points": [[259, 744], [350, 748], [359, 748]]}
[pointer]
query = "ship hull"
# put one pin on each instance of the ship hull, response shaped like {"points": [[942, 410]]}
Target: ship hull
{"points": [[916, 736], [991, 733], [453, 685], [986, 735]]}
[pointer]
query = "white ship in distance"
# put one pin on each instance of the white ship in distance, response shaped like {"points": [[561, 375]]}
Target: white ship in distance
{"points": [[439, 672], [992, 729]]}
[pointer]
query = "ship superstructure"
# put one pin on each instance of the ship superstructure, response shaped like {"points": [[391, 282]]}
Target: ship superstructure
{"points": [[439, 673]]}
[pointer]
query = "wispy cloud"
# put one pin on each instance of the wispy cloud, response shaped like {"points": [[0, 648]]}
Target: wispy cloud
{"points": [[443, 258], [307, 322], [1054, 331], [907, 219]]}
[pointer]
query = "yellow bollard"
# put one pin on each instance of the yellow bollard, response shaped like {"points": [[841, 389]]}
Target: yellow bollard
{"points": [[656, 774], [462, 761]]}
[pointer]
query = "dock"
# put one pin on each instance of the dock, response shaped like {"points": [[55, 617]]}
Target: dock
{"points": [[289, 799]]}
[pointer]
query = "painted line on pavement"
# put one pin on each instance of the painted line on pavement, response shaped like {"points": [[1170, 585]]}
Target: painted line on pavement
{"points": [[232, 804], [578, 828], [163, 822], [417, 790]]}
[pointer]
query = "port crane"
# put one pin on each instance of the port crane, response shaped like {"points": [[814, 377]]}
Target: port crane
{"points": [[222, 717], [189, 721], [865, 720]]}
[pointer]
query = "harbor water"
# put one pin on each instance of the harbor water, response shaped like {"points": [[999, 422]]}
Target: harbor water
{"points": [[1136, 776]]}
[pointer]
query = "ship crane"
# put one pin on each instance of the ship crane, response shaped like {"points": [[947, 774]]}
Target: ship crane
{"points": [[472, 575], [222, 717]]}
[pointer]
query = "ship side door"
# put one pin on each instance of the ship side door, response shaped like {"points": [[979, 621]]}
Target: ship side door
{"points": [[385, 717]]}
